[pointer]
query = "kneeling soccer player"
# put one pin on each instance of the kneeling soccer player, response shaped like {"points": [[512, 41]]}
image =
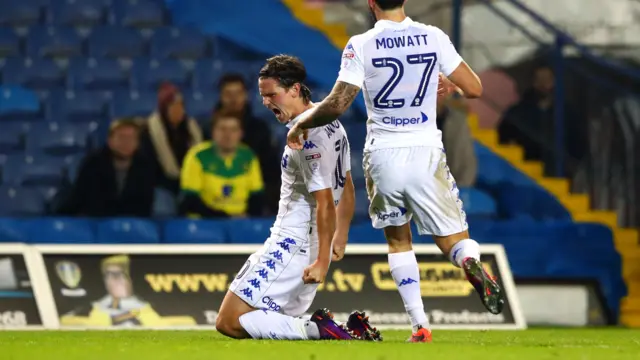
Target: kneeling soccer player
{"points": [[277, 284]]}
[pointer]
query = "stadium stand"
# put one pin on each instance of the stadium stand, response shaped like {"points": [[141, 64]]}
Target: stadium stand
{"points": [[62, 83]]}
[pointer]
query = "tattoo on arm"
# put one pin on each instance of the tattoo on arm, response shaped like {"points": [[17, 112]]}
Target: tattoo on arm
{"points": [[332, 106]]}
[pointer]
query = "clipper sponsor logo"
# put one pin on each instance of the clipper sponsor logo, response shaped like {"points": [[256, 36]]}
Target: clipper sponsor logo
{"points": [[403, 121], [313, 156], [271, 305], [389, 215]]}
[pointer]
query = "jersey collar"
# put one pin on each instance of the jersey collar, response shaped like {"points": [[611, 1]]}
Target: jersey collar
{"points": [[388, 24]]}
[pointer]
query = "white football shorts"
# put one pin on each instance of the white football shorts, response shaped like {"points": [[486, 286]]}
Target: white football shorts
{"points": [[272, 276], [413, 182]]}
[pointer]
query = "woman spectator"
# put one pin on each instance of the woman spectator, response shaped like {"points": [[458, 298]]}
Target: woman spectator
{"points": [[170, 134]]}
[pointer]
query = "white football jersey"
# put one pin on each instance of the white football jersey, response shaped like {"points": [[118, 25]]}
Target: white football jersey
{"points": [[396, 65], [322, 164]]}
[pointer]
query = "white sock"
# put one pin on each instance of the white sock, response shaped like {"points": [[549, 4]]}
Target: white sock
{"points": [[466, 248], [263, 324], [405, 272]]}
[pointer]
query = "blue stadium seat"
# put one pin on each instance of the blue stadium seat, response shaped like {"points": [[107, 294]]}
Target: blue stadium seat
{"points": [[364, 233], [17, 201], [515, 200], [362, 205], [78, 12], [21, 170], [207, 73], [97, 74], [134, 104], [357, 134], [85, 106], [478, 203], [200, 105], [18, 103], [249, 231], [181, 43], [11, 139], [48, 192], [493, 171], [37, 74], [73, 167], [164, 203], [195, 232], [357, 171], [139, 13], [61, 231], [148, 74], [58, 139], [13, 231], [128, 231], [115, 42], [279, 134], [21, 13], [52, 41], [9, 43]]}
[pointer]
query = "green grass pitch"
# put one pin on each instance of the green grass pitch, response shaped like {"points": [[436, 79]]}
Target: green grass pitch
{"points": [[538, 344]]}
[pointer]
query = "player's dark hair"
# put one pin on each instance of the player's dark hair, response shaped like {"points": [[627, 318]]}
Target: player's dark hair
{"points": [[287, 70], [389, 4], [231, 78]]}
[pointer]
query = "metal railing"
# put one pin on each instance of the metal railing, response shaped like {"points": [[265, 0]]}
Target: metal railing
{"points": [[605, 91]]}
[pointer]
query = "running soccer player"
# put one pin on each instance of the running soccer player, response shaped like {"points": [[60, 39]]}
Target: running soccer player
{"points": [[277, 284], [397, 64]]}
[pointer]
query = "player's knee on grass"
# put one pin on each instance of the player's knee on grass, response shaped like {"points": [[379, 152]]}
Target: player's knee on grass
{"points": [[398, 238], [229, 325]]}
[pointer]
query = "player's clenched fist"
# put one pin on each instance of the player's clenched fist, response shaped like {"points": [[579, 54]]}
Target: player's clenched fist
{"points": [[315, 273]]}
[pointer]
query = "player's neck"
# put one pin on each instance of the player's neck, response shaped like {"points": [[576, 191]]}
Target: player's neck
{"points": [[397, 15], [299, 110]]}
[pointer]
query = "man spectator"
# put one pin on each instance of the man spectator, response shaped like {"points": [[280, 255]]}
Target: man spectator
{"points": [[257, 135], [170, 134], [531, 124], [458, 143], [113, 181], [222, 178]]}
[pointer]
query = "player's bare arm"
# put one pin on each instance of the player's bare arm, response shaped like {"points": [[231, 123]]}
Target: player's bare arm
{"points": [[466, 80], [344, 215], [334, 105], [326, 223]]}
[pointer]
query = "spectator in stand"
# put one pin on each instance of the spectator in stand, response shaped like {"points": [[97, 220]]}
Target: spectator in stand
{"points": [[113, 181], [222, 178], [531, 124], [257, 135], [170, 134], [458, 143]]}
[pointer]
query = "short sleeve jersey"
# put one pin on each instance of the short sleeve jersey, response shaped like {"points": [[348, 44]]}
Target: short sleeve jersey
{"points": [[396, 65], [321, 164]]}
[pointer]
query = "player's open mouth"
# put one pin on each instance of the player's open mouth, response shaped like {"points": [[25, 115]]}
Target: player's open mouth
{"points": [[276, 112]]}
